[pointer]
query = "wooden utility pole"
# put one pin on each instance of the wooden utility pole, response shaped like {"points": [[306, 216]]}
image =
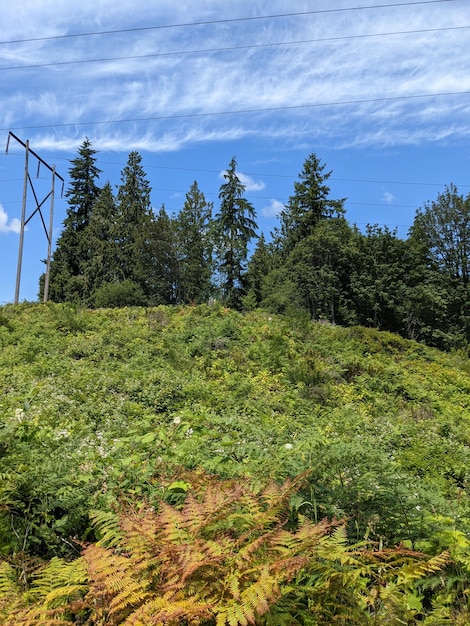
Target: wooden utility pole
{"points": [[24, 220]]}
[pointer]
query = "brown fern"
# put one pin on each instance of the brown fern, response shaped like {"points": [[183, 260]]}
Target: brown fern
{"points": [[225, 557]]}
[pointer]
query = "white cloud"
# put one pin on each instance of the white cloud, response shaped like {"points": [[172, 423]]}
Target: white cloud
{"points": [[249, 183], [173, 83], [273, 209], [388, 197], [8, 225]]}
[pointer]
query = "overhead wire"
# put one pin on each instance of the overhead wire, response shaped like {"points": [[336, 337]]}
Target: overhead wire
{"points": [[223, 21], [267, 109], [292, 107], [231, 48], [121, 164]]}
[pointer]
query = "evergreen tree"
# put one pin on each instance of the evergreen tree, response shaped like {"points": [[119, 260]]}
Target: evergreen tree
{"points": [[133, 224], [161, 279], [101, 266], [308, 205], [193, 227], [310, 263], [234, 228], [72, 250], [258, 268]]}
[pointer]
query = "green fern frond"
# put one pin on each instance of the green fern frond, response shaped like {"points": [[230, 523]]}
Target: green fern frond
{"points": [[63, 595], [8, 583], [48, 618], [233, 585], [257, 598], [416, 570], [108, 526], [233, 615], [58, 575]]}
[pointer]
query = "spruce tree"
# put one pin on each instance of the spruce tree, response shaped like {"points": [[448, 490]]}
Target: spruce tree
{"points": [[258, 268], [133, 223], [72, 250], [193, 228], [310, 262], [234, 228], [309, 204], [102, 264], [161, 260]]}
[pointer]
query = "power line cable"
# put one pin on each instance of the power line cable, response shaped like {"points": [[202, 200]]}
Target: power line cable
{"points": [[242, 111], [224, 21], [232, 48], [413, 183]]}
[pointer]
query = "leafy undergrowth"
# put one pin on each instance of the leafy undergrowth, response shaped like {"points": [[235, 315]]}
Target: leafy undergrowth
{"points": [[113, 405], [229, 555]]}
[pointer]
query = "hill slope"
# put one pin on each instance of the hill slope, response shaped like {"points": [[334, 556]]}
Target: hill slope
{"points": [[97, 404]]}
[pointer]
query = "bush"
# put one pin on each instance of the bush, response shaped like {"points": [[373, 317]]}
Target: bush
{"points": [[125, 293]]}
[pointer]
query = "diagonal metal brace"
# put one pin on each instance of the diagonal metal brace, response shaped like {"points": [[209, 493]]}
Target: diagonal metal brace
{"points": [[39, 204]]}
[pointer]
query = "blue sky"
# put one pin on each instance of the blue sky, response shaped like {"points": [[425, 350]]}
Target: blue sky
{"points": [[380, 93]]}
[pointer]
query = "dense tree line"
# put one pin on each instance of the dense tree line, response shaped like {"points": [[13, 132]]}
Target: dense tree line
{"points": [[115, 250]]}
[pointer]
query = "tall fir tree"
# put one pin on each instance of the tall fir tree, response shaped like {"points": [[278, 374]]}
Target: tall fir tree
{"points": [[259, 266], [133, 224], [195, 247], [72, 250], [101, 266], [309, 204], [161, 280], [309, 262], [234, 227]]}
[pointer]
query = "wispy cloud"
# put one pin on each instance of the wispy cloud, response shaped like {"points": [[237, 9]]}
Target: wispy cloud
{"points": [[8, 225], [184, 73], [388, 197]]}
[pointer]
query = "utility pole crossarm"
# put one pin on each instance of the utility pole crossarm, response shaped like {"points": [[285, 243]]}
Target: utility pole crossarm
{"points": [[49, 167]]}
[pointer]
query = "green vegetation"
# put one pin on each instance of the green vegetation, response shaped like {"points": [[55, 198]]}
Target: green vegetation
{"points": [[196, 464], [136, 409], [118, 251]]}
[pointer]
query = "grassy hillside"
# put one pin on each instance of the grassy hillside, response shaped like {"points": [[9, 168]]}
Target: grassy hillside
{"points": [[98, 401], [113, 405]]}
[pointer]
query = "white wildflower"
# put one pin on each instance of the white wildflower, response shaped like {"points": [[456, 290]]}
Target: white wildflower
{"points": [[19, 414], [177, 420], [288, 446]]}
